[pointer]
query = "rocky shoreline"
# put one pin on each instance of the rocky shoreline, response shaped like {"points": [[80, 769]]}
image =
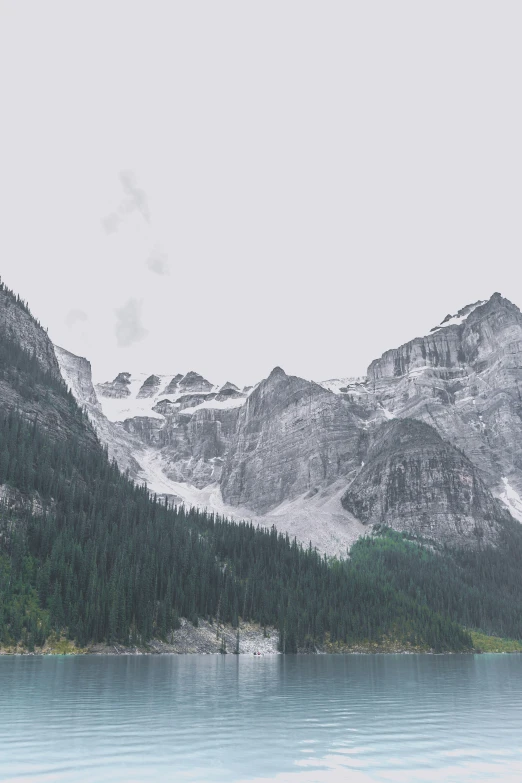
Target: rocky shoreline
{"points": [[207, 639]]}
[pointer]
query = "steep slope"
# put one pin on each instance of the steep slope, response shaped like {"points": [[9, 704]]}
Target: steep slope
{"points": [[184, 417], [465, 379], [85, 551], [288, 449], [293, 436], [98, 559], [30, 379], [18, 325], [76, 372], [415, 482]]}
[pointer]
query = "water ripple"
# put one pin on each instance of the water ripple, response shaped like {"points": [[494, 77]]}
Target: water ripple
{"points": [[295, 719]]}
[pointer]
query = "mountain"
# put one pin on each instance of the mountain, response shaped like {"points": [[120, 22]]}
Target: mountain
{"points": [[415, 482], [30, 377], [465, 380], [322, 460], [87, 553]]}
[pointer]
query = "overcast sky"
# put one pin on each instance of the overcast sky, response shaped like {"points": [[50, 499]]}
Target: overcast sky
{"points": [[228, 186]]}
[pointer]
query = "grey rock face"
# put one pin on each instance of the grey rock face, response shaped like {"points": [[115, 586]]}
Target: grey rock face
{"points": [[415, 482], [291, 443], [117, 388], [193, 382], [193, 399], [172, 386], [32, 399], [194, 446], [229, 394], [76, 372], [17, 324], [292, 436], [228, 386], [150, 386], [466, 381]]}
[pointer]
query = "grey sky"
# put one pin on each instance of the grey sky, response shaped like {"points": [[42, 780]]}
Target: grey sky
{"points": [[75, 316], [158, 262], [129, 328], [327, 179]]}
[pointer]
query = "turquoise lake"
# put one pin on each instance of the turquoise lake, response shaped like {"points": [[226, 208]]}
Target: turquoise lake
{"points": [[291, 719]]}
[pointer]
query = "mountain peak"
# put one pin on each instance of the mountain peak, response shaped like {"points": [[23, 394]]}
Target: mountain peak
{"points": [[123, 377], [460, 316], [277, 372]]}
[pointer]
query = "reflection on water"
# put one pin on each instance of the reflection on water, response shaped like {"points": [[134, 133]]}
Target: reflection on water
{"points": [[292, 719]]}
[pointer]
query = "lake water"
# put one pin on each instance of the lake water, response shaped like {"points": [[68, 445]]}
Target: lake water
{"points": [[291, 719]]}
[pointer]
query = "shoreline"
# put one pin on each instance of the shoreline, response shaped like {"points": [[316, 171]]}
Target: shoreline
{"points": [[207, 639], [8, 653]]}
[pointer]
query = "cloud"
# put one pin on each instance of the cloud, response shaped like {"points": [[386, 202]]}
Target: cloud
{"points": [[73, 316], [129, 328], [136, 200], [111, 223], [158, 262]]}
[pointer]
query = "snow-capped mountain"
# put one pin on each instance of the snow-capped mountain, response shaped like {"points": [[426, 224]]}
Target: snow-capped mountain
{"points": [[325, 460], [155, 396]]}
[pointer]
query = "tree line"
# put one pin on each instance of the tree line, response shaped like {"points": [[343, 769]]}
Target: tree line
{"points": [[97, 557]]}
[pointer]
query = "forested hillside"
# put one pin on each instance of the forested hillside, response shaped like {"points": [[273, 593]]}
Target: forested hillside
{"points": [[105, 562], [86, 552]]}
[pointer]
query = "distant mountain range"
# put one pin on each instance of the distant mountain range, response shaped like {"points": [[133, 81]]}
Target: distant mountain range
{"points": [[415, 469], [429, 442]]}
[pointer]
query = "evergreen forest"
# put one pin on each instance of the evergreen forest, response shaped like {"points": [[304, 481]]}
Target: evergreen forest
{"points": [[88, 553]]}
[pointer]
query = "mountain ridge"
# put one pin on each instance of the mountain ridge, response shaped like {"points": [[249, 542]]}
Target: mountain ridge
{"points": [[88, 554], [265, 451]]}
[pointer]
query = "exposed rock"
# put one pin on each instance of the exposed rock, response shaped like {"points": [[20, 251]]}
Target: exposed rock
{"points": [[292, 435], [172, 386], [20, 391], [415, 482], [12, 499], [150, 386], [193, 382], [193, 446], [465, 379], [228, 386], [18, 324], [193, 399], [76, 371], [117, 388], [229, 394], [291, 443]]}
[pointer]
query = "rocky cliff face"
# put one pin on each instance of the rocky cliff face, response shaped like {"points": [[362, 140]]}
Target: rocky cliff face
{"points": [[465, 379], [17, 323], [30, 379], [292, 436], [415, 482], [184, 419], [329, 460], [76, 372], [118, 388]]}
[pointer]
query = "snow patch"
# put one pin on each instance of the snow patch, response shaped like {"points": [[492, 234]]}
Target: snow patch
{"points": [[119, 409], [320, 519], [158, 483], [511, 499], [459, 318], [236, 402], [355, 385]]}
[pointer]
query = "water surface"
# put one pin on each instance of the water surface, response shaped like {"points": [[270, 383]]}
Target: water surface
{"points": [[291, 719]]}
